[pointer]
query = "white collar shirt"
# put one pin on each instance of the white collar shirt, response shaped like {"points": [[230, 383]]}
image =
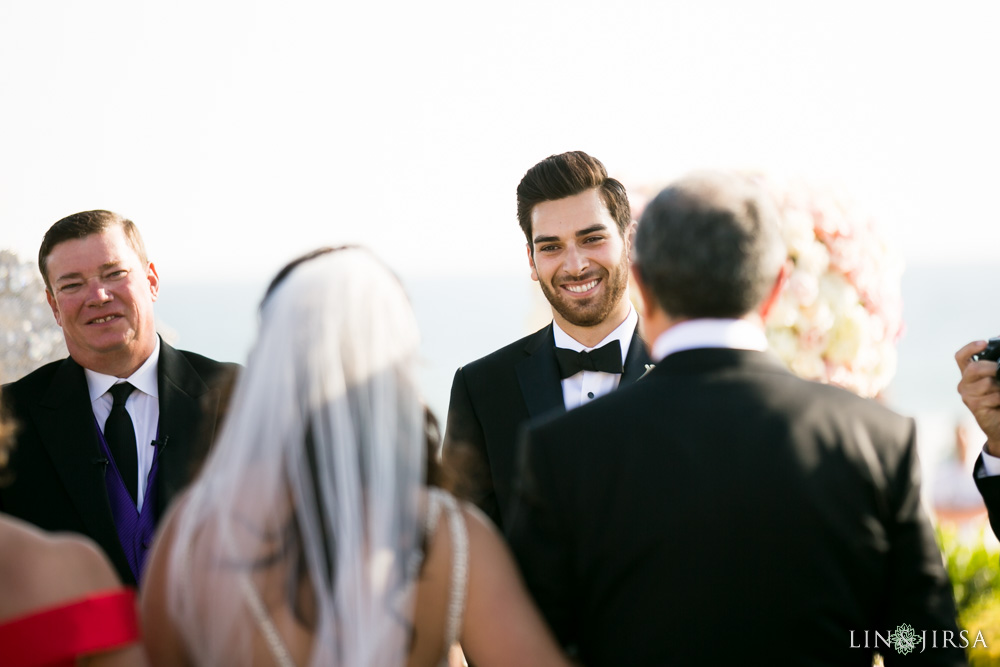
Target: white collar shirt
{"points": [[585, 386], [991, 464], [143, 406], [693, 334]]}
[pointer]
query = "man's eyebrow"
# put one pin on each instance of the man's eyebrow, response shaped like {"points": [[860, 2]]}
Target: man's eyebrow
{"points": [[76, 275], [592, 229], [69, 276], [582, 232]]}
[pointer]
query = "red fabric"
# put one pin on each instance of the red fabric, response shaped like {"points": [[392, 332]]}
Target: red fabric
{"points": [[58, 635]]}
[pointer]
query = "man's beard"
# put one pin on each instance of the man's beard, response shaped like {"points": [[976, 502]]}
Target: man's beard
{"points": [[590, 312]]}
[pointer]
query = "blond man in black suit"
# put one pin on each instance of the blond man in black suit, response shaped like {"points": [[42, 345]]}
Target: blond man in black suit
{"points": [[70, 473]]}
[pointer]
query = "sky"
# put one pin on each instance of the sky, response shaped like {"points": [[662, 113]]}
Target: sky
{"points": [[238, 134]]}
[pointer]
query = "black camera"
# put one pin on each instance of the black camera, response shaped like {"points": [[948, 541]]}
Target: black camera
{"points": [[991, 353]]}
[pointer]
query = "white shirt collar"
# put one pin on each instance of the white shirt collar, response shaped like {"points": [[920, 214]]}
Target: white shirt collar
{"points": [[623, 334], [144, 378], [691, 334]]}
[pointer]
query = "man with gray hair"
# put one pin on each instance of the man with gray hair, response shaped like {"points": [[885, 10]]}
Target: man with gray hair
{"points": [[721, 509]]}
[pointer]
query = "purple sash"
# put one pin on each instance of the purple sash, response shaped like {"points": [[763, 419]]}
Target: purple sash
{"points": [[135, 529]]}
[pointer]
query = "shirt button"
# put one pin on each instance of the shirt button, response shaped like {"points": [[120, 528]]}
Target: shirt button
{"points": [[590, 394]]}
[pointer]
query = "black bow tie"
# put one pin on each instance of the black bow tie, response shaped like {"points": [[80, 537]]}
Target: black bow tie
{"points": [[607, 359]]}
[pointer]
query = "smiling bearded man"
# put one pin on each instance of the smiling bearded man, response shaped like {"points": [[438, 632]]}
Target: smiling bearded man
{"points": [[107, 436], [578, 226], [584, 283]]}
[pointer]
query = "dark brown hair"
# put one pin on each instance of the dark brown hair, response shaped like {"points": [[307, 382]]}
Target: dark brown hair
{"points": [[83, 224], [565, 175]]}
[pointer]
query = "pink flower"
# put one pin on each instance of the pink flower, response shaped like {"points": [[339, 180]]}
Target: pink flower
{"points": [[840, 315]]}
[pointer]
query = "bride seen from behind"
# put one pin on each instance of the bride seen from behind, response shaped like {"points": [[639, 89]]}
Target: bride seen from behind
{"points": [[312, 536]]}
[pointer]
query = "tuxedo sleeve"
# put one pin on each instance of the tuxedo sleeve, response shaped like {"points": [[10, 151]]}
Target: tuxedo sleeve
{"points": [[919, 591], [540, 537], [464, 451], [989, 487]]}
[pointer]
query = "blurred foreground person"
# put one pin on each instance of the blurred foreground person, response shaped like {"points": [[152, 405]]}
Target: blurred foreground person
{"points": [[312, 536], [60, 601], [722, 510]]}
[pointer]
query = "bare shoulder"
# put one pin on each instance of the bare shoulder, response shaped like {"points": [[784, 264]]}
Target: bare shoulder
{"points": [[496, 598], [83, 560], [489, 555], [39, 569], [486, 547], [480, 527], [155, 577], [164, 644]]}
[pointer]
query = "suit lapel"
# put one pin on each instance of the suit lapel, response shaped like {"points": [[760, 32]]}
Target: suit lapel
{"points": [[636, 361], [66, 426], [538, 375], [181, 390]]}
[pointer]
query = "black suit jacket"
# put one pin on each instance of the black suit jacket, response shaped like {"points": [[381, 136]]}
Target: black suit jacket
{"points": [[57, 477], [723, 511], [989, 487], [493, 397]]}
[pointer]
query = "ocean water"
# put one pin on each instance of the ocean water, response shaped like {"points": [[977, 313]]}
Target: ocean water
{"points": [[460, 319], [464, 318]]}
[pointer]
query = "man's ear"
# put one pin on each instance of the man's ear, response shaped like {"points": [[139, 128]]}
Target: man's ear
{"points": [[531, 263], [630, 237], [154, 280], [645, 294], [779, 286], [55, 308]]}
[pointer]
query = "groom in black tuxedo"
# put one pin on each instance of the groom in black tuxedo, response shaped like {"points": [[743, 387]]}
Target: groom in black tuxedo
{"points": [[107, 436], [722, 510], [578, 226]]}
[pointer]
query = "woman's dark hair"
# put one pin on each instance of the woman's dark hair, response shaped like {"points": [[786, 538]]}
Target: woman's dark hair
{"points": [[292, 265]]}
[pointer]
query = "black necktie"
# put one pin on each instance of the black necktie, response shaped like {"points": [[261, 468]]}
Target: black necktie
{"points": [[120, 434], [607, 359]]}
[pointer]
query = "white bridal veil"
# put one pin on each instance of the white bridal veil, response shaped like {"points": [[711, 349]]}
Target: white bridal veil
{"points": [[316, 477]]}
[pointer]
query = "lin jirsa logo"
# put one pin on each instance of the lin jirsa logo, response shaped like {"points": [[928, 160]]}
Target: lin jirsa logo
{"points": [[905, 640]]}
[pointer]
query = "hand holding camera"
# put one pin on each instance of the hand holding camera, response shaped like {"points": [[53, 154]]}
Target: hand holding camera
{"points": [[980, 389], [991, 353]]}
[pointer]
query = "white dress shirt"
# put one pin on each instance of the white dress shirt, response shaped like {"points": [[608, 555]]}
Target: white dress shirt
{"points": [[585, 386], [143, 406], [693, 334], [991, 464]]}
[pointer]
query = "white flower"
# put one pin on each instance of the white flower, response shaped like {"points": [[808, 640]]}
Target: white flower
{"points": [[840, 315], [808, 366], [784, 342], [813, 258], [848, 336]]}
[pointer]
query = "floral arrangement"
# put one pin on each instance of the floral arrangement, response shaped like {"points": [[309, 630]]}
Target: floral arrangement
{"points": [[841, 313]]}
